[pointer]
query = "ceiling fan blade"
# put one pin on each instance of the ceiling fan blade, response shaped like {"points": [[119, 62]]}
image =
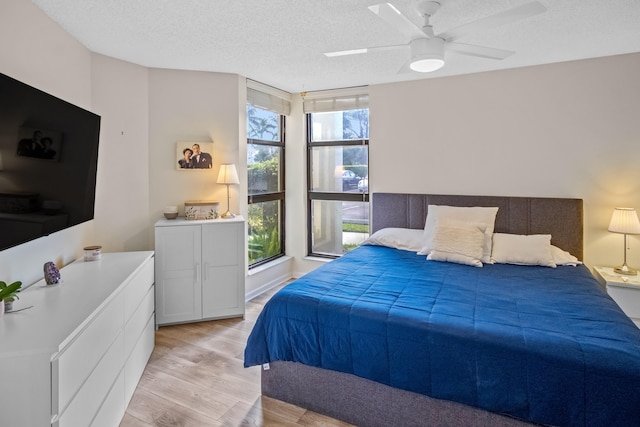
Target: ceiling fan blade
{"points": [[346, 52], [512, 15], [366, 50], [406, 68], [481, 51], [396, 19]]}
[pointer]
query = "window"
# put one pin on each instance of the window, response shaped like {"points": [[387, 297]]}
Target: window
{"points": [[338, 175], [265, 170]]}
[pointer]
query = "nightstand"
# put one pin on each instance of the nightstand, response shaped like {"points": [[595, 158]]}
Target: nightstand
{"points": [[625, 291]]}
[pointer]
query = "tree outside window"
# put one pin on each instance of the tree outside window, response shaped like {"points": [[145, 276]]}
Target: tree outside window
{"points": [[265, 165]]}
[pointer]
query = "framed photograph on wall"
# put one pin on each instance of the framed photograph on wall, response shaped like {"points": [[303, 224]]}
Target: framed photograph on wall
{"points": [[194, 155], [39, 143]]}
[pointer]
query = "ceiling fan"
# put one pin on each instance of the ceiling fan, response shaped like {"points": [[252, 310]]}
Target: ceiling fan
{"points": [[427, 49]]}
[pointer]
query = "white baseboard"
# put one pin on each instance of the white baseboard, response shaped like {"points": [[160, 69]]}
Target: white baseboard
{"points": [[267, 286], [268, 276]]}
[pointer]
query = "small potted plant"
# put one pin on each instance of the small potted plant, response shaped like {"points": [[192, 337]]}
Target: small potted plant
{"points": [[8, 294]]}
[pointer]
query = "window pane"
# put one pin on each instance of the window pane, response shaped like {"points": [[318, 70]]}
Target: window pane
{"points": [[263, 168], [338, 227], [339, 168], [264, 230], [340, 125], [262, 124]]}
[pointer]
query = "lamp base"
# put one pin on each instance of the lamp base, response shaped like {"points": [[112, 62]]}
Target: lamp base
{"points": [[227, 215], [625, 269]]}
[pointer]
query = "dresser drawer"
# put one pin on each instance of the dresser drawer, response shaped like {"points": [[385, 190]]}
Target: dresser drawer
{"points": [[114, 406], [137, 361], [137, 288], [91, 396], [138, 321], [75, 363]]}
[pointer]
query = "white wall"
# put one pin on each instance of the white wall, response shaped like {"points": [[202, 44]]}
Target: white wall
{"points": [[191, 106], [121, 98], [38, 52], [560, 130]]}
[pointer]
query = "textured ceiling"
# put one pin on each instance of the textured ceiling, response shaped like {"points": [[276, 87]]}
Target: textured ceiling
{"points": [[281, 42]]}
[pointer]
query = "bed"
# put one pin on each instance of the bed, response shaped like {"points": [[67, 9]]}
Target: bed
{"points": [[384, 337]]}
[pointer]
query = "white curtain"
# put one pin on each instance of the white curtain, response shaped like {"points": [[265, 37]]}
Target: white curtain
{"points": [[353, 98], [268, 98]]}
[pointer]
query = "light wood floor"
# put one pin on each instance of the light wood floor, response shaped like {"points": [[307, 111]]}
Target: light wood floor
{"points": [[195, 377]]}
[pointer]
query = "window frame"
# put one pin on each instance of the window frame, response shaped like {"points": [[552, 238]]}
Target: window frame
{"points": [[328, 196], [271, 196]]}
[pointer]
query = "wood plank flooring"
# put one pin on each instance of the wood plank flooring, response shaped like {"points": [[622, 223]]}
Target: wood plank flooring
{"points": [[195, 377]]}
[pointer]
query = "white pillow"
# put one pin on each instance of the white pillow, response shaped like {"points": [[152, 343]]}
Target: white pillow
{"points": [[458, 242], [561, 257], [474, 215], [457, 258], [521, 249], [399, 238]]}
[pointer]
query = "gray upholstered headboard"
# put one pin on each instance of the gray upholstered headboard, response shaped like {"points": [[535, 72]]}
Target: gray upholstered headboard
{"points": [[562, 218]]}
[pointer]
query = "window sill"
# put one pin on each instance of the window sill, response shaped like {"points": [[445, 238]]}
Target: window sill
{"points": [[269, 265], [317, 259]]}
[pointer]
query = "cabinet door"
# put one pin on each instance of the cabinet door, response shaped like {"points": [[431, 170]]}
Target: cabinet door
{"points": [[178, 274], [223, 269]]}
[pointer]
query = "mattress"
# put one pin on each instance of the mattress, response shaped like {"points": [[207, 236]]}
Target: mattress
{"points": [[546, 345]]}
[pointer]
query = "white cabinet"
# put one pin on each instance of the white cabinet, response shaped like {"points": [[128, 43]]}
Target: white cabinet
{"points": [[200, 269], [75, 357], [625, 291]]}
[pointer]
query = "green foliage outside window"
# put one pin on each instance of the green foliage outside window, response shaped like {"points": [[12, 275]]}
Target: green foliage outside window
{"points": [[264, 231], [264, 165], [263, 176], [264, 218]]}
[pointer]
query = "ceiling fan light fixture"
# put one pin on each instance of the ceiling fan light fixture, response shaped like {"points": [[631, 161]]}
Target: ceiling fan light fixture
{"points": [[426, 65], [427, 55]]}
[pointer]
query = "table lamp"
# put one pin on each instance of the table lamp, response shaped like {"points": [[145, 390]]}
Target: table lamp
{"points": [[228, 175], [625, 221]]}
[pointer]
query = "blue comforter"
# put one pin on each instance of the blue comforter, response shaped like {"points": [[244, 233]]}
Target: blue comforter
{"points": [[541, 344]]}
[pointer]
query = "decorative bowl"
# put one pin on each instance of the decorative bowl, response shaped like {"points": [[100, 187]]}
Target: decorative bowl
{"points": [[171, 215]]}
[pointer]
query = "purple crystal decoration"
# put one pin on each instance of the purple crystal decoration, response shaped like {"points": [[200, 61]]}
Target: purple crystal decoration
{"points": [[51, 273]]}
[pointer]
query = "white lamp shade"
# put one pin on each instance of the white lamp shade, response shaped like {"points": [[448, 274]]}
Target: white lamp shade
{"points": [[228, 174], [625, 221]]}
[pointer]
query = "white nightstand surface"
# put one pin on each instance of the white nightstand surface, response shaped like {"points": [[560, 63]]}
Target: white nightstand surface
{"points": [[612, 278]]}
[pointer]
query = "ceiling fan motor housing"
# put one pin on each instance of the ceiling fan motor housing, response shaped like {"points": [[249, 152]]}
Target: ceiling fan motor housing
{"points": [[428, 8], [427, 54]]}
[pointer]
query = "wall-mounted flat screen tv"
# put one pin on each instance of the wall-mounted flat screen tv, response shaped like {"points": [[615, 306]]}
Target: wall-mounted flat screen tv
{"points": [[48, 163]]}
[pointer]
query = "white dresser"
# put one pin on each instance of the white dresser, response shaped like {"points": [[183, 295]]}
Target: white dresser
{"points": [[200, 269], [75, 357]]}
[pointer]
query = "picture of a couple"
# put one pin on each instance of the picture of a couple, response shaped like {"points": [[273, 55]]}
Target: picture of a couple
{"points": [[192, 156], [39, 143]]}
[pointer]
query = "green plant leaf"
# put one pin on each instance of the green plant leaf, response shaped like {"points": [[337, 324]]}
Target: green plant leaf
{"points": [[9, 291]]}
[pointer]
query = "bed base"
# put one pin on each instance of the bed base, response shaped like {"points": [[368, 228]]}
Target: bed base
{"points": [[363, 402]]}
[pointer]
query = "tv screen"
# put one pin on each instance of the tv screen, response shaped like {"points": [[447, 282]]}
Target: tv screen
{"points": [[48, 163]]}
